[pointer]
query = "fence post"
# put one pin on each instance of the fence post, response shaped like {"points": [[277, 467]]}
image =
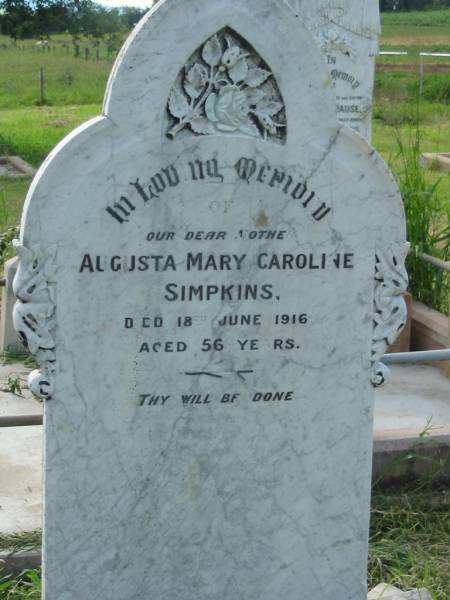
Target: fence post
{"points": [[77, 50], [97, 54], [447, 371], [41, 85], [421, 71], [86, 53]]}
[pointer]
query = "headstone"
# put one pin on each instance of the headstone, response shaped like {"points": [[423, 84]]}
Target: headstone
{"points": [[9, 340], [217, 268], [347, 32]]}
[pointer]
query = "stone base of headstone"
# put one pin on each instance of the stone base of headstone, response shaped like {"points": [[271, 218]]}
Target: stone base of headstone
{"points": [[9, 340], [385, 591]]}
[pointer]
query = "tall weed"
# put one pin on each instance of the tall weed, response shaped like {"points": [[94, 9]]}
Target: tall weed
{"points": [[7, 231], [428, 224], [26, 587]]}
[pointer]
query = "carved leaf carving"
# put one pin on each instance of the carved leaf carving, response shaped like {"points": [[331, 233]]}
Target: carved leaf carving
{"points": [[196, 79], [212, 51], [254, 95], [178, 105], [238, 72], [257, 77], [269, 107]]}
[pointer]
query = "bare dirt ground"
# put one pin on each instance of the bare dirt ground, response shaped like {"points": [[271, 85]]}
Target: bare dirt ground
{"points": [[415, 40]]}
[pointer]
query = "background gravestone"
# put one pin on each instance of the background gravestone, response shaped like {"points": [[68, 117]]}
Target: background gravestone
{"points": [[9, 339], [347, 32], [209, 274]]}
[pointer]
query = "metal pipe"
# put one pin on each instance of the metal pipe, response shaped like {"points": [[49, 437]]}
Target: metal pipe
{"points": [[442, 54], [414, 357], [436, 262], [21, 420], [383, 53]]}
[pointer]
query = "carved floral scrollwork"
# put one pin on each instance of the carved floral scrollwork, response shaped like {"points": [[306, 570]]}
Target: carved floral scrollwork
{"points": [[390, 314], [34, 312], [225, 88]]}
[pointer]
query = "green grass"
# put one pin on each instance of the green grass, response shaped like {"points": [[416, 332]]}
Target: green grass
{"points": [[410, 540], [404, 86], [12, 195], [28, 540], [63, 42], [28, 584], [417, 28], [32, 132], [68, 80], [435, 136], [26, 587], [417, 18], [411, 35], [11, 357]]}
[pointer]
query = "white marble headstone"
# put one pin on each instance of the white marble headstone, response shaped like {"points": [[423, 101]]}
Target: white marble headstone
{"points": [[209, 274], [347, 32]]}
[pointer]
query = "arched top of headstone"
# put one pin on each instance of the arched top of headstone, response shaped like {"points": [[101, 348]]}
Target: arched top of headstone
{"points": [[237, 72]]}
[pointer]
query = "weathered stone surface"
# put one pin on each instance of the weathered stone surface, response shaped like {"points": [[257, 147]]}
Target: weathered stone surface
{"points": [[347, 32], [184, 453]]}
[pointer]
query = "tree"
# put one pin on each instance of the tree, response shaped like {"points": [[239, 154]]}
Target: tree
{"points": [[40, 18], [16, 18], [130, 15], [50, 16]]}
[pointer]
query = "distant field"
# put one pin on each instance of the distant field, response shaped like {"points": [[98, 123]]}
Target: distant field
{"points": [[417, 28], [417, 18], [74, 89], [68, 80]]}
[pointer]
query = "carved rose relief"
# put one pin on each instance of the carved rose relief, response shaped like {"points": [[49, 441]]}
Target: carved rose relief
{"points": [[229, 108], [226, 88]]}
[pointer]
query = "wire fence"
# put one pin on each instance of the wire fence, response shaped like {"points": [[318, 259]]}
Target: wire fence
{"points": [[422, 56]]}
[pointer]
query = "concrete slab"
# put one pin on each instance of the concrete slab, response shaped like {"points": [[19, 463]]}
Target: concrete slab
{"points": [[20, 458], [12, 404], [416, 397], [21, 479]]}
